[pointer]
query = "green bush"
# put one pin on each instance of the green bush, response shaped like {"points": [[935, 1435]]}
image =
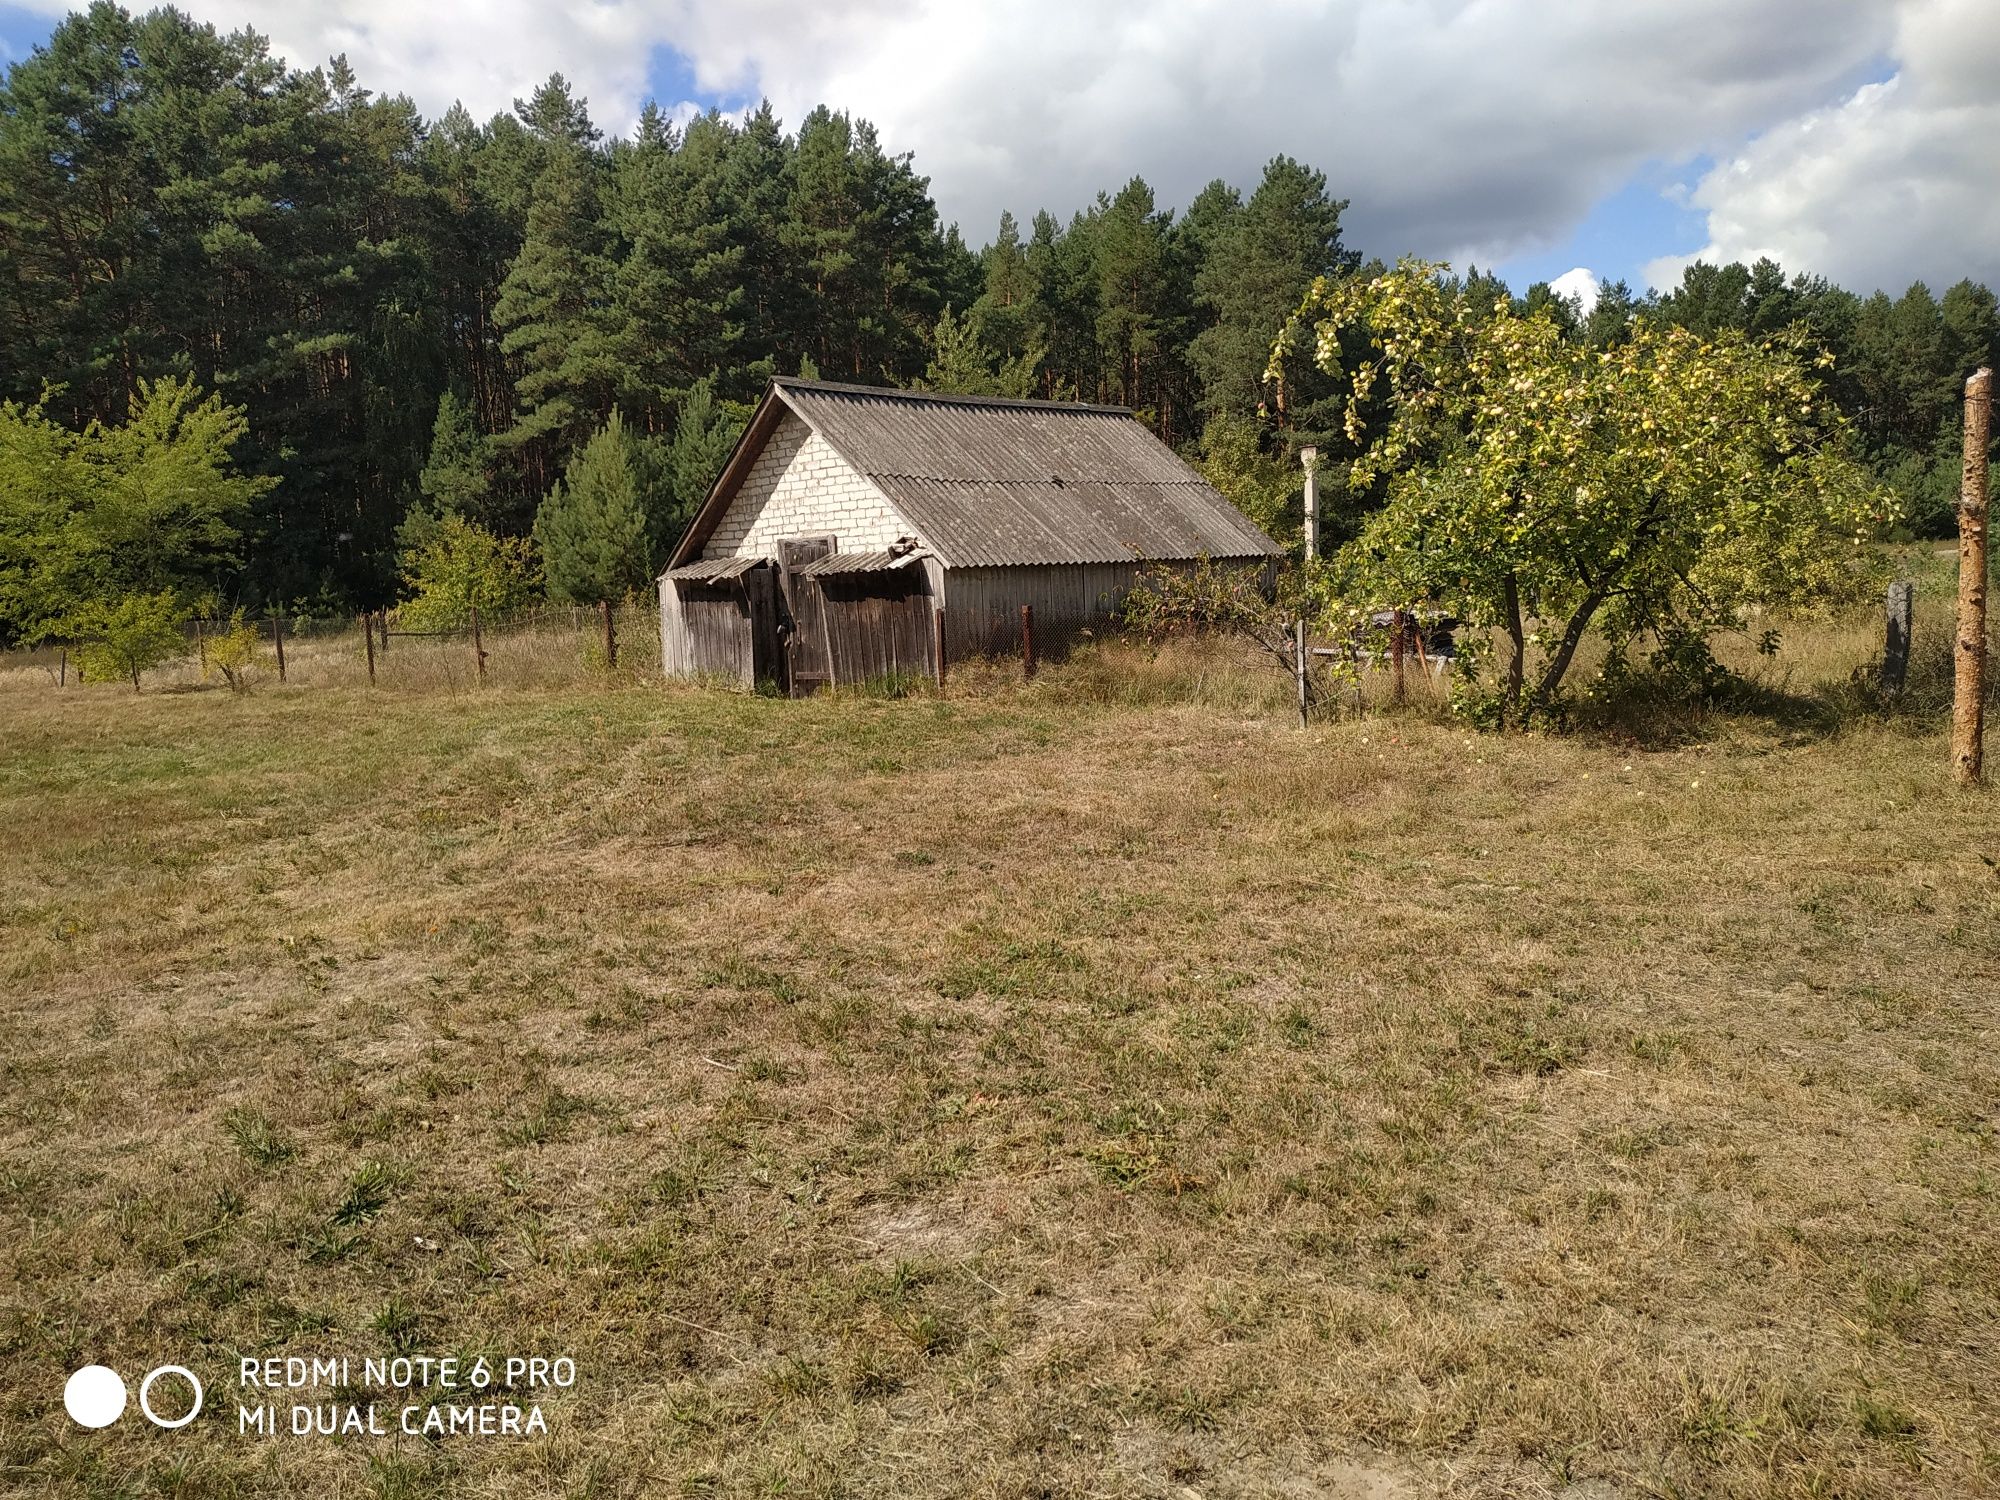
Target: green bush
{"points": [[129, 637], [235, 652], [462, 567]]}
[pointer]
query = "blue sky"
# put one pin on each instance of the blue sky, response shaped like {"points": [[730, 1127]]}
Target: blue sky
{"points": [[1529, 136], [1645, 219]]}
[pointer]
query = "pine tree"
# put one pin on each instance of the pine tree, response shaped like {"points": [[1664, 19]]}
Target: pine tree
{"points": [[680, 287], [1131, 258], [962, 365], [556, 115], [591, 528], [705, 433], [1259, 262], [457, 478], [553, 306], [1009, 315]]}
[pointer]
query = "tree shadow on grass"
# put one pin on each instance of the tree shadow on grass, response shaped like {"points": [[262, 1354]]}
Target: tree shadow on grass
{"points": [[1652, 715]]}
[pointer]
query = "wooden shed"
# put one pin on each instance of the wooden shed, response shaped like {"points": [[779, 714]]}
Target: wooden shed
{"points": [[854, 530]]}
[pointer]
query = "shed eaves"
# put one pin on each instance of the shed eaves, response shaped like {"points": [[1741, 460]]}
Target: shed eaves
{"points": [[994, 483], [860, 562], [713, 569]]}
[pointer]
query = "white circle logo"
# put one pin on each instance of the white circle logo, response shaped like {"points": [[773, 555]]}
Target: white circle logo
{"points": [[94, 1396], [145, 1391]]}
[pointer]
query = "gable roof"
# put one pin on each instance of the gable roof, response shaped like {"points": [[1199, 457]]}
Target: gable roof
{"points": [[987, 482]]}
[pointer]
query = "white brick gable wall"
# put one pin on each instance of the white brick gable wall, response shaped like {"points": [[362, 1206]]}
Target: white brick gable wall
{"points": [[799, 486]]}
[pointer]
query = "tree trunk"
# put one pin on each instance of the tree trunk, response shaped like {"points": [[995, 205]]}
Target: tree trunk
{"points": [[1517, 636], [1572, 634]]}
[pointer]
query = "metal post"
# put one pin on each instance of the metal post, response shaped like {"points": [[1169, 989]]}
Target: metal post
{"points": [[610, 637], [937, 642], [278, 640], [368, 639], [478, 650], [1028, 640], [1896, 638], [1299, 664], [1310, 458], [1968, 709]]}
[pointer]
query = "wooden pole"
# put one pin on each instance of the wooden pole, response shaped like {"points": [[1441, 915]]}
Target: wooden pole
{"points": [[368, 639], [937, 642], [1396, 620], [383, 620], [278, 640], [63, 679], [1299, 664], [1028, 640], [610, 637], [1896, 638], [1968, 709], [478, 649]]}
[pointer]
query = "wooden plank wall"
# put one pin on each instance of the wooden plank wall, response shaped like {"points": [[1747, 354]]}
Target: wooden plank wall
{"points": [[877, 623], [983, 605], [706, 631], [675, 658]]}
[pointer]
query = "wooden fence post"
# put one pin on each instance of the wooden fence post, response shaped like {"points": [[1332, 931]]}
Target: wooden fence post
{"points": [[368, 639], [1896, 638], [1028, 640], [478, 649], [62, 679], [278, 640], [937, 642], [1396, 619], [1299, 660], [383, 620], [1968, 709], [610, 637]]}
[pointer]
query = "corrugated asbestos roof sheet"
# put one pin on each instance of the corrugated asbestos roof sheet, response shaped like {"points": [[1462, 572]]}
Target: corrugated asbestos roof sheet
{"points": [[860, 562], [714, 569], [990, 483]]}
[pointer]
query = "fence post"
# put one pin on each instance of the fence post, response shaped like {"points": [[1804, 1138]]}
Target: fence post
{"points": [[1896, 638], [1299, 664], [368, 639], [478, 649], [937, 642], [1968, 709], [610, 637], [62, 679], [278, 640], [1028, 640], [1396, 625], [383, 619]]}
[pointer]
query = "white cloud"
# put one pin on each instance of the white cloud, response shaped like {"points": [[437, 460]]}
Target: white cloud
{"points": [[1579, 283], [1893, 183]]}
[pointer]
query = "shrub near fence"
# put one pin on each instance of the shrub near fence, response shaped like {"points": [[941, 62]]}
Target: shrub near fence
{"points": [[542, 647]]}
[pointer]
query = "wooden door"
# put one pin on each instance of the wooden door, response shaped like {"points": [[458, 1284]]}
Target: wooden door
{"points": [[767, 651], [809, 661]]}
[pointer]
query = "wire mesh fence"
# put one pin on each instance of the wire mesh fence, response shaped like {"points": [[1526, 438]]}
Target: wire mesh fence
{"points": [[546, 645]]}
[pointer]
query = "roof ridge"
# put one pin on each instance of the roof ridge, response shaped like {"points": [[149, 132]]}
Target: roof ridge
{"points": [[1122, 481], [942, 398]]}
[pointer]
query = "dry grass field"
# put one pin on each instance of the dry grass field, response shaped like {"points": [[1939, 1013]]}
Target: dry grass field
{"points": [[1098, 1088]]}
